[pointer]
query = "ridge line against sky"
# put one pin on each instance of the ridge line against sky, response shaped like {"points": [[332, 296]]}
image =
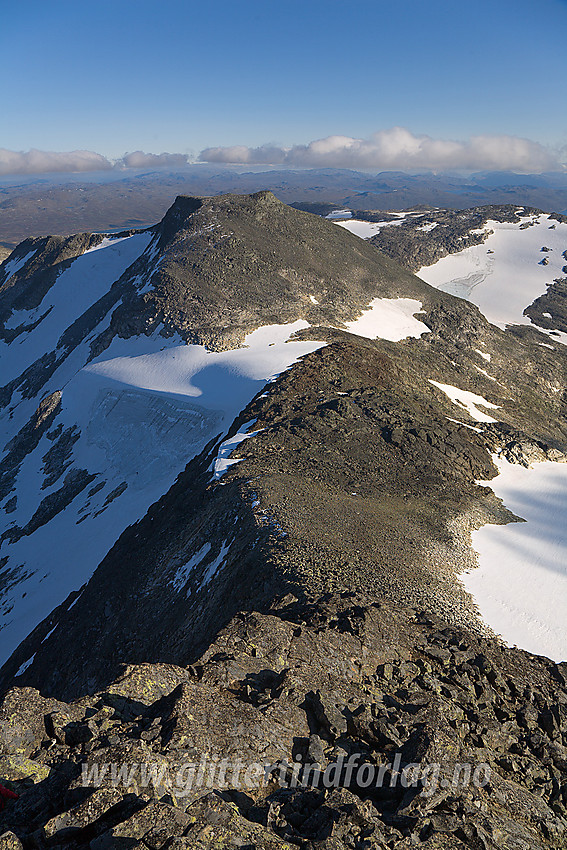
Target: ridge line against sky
{"points": [[302, 83]]}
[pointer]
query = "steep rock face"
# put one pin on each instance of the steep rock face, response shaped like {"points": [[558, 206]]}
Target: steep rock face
{"points": [[43, 260], [53, 295]]}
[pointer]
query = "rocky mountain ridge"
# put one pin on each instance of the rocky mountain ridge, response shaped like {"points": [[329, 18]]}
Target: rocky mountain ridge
{"points": [[201, 275], [347, 687], [290, 587]]}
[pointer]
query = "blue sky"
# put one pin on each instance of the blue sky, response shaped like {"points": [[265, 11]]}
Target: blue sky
{"points": [[122, 76]]}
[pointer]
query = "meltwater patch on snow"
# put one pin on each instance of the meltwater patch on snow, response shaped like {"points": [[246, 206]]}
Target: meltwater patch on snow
{"points": [[389, 318], [468, 401], [520, 585], [339, 215]]}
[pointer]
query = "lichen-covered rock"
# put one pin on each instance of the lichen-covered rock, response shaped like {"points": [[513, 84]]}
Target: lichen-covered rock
{"points": [[70, 824], [9, 841], [154, 826], [15, 768], [336, 723], [22, 725], [146, 683], [214, 822]]}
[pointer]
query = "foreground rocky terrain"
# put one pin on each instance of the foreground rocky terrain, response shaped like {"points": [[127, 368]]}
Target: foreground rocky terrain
{"points": [[283, 587], [342, 681]]}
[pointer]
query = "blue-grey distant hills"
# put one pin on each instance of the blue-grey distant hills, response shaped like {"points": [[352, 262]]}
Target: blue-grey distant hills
{"points": [[67, 204]]}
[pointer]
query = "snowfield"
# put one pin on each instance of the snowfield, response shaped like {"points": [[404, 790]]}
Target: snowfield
{"points": [[520, 586], [366, 229], [142, 417], [217, 378], [389, 318], [467, 401], [505, 274]]}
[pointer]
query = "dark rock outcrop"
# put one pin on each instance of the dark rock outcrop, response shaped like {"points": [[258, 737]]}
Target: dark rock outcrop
{"points": [[269, 741]]}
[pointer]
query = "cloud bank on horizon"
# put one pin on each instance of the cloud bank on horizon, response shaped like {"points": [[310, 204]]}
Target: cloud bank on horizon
{"points": [[393, 149], [42, 162], [47, 162], [399, 149]]}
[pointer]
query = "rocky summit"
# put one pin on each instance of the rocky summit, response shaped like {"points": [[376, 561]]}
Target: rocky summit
{"points": [[244, 454]]}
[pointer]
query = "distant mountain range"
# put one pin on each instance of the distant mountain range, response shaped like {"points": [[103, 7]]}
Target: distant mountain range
{"points": [[42, 206]]}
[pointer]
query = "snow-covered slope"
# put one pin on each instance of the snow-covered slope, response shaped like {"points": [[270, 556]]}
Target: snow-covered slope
{"points": [[520, 585], [134, 417], [508, 271]]}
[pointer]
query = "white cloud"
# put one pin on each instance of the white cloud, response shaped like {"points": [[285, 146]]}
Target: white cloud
{"points": [[40, 162], [139, 159], [267, 154], [398, 148], [393, 149]]}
